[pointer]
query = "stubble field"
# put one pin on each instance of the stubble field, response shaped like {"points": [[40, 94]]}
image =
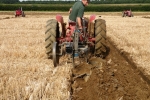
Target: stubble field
{"points": [[26, 73]]}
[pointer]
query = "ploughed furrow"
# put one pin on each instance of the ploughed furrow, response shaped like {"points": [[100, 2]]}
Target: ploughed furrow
{"points": [[112, 78]]}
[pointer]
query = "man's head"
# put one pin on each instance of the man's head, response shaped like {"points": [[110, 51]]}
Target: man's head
{"points": [[85, 2]]}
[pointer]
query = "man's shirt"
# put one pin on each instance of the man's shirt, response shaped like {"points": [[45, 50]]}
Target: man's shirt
{"points": [[77, 11]]}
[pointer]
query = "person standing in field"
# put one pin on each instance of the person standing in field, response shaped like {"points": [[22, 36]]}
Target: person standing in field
{"points": [[77, 11]]}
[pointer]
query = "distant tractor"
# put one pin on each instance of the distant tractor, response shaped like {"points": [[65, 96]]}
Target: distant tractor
{"points": [[127, 13], [19, 12]]}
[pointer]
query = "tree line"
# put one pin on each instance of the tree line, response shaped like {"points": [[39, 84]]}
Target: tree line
{"points": [[9, 1], [65, 7], [72, 1]]}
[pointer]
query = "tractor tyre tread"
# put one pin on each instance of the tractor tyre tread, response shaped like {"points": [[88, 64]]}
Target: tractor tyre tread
{"points": [[51, 34], [100, 36]]}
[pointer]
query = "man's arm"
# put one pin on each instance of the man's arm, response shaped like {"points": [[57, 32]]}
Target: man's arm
{"points": [[79, 22]]}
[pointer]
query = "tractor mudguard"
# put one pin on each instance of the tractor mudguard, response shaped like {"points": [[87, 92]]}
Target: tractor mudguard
{"points": [[91, 25], [59, 18], [92, 17]]}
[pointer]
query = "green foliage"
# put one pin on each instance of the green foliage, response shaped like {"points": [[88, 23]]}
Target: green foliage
{"points": [[47, 2], [71, 2], [65, 7], [117, 7], [92, 2], [9, 1]]}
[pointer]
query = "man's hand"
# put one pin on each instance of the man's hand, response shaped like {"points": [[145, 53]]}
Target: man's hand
{"points": [[70, 10], [80, 27]]}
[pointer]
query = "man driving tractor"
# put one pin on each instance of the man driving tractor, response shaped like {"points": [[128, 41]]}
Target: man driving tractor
{"points": [[77, 12], [82, 39]]}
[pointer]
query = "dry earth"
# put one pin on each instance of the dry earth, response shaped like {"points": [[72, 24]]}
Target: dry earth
{"points": [[26, 73], [109, 79]]}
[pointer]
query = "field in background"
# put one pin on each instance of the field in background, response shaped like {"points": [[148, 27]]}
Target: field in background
{"points": [[26, 73]]}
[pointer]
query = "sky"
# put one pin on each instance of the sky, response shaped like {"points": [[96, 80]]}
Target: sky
{"points": [[34, 0], [22, 0]]}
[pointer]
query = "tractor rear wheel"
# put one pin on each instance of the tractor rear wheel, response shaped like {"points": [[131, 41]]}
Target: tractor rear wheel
{"points": [[100, 37], [51, 33], [124, 14], [131, 15], [23, 15]]}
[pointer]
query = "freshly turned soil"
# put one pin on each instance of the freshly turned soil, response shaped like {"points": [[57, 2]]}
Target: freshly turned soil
{"points": [[112, 78]]}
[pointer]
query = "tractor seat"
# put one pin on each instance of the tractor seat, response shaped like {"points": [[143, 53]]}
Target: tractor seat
{"points": [[72, 23]]}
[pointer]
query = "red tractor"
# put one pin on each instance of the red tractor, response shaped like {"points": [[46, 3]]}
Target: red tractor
{"points": [[79, 44], [127, 13], [19, 12]]}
